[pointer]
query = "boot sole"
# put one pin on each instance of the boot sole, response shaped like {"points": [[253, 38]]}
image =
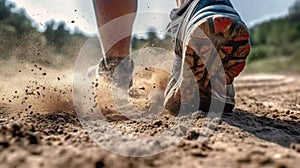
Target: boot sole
{"points": [[217, 49], [216, 53]]}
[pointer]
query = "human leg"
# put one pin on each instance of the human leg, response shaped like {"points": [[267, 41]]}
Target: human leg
{"points": [[115, 19], [113, 41], [180, 2]]}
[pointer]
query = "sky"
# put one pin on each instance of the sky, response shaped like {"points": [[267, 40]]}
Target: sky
{"points": [[151, 13]]}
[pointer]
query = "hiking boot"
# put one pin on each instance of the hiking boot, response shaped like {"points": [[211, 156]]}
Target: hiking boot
{"points": [[213, 41]]}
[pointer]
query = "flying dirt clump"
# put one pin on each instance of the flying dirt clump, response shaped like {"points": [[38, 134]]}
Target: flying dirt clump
{"points": [[29, 87]]}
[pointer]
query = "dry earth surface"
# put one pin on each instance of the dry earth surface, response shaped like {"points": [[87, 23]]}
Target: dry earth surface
{"points": [[39, 128]]}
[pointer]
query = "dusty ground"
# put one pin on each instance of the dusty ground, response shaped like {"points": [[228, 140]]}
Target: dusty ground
{"points": [[39, 128]]}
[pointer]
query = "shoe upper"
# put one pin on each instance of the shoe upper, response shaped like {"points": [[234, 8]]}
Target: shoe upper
{"points": [[179, 12], [119, 70], [195, 8]]}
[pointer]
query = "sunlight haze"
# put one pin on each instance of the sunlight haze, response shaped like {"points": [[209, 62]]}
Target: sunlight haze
{"points": [[78, 13]]}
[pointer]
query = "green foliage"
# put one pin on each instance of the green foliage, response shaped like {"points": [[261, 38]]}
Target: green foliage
{"points": [[4, 10], [261, 52], [277, 37], [152, 40], [20, 40], [295, 9], [57, 37], [20, 22]]}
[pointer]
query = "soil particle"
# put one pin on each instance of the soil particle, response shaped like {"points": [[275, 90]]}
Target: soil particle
{"points": [[262, 131]]}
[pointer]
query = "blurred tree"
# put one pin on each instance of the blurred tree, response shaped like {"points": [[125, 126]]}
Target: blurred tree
{"points": [[277, 37], [19, 39], [20, 22], [152, 37], [152, 40], [295, 12], [4, 9], [135, 42], [57, 35], [295, 8]]}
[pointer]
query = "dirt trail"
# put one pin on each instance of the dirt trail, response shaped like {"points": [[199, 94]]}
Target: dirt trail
{"points": [[38, 127]]}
